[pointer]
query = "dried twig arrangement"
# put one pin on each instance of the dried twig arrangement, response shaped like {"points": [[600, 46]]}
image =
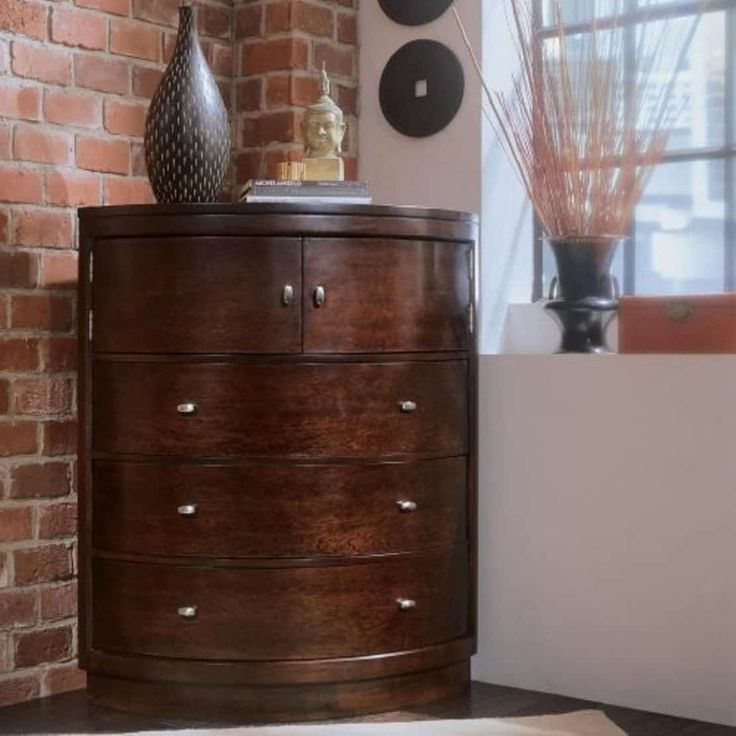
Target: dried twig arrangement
{"points": [[583, 148]]}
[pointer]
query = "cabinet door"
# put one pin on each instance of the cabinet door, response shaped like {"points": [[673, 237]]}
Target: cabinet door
{"points": [[197, 295], [385, 295]]}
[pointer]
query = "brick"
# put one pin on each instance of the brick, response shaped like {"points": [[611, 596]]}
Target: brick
{"points": [[59, 271], [70, 107], [44, 228], [4, 395], [59, 354], [6, 151], [18, 689], [41, 62], [72, 188], [42, 564], [338, 61], [18, 438], [127, 191], [287, 89], [223, 61], [249, 21], [282, 127], [44, 480], [23, 17], [101, 154], [4, 310], [4, 228], [249, 165], [135, 39], [347, 28], [59, 602], [46, 645], [249, 93], [165, 12], [117, 7], [146, 81], [347, 99], [19, 354], [16, 523], [41, 312], [275, 55], [20, 184], [17, 608], [78, 28], [316, 20], [18, 269], [125, 118], [63, 678], [60, 438], [33, 143], [43, 395], [4, 652], [57, 520], [102, 74], [19, 102], [214, 21], [138, 153]]}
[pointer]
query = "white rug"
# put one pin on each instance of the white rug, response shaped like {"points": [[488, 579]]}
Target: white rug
{"points": [[583, 723]]}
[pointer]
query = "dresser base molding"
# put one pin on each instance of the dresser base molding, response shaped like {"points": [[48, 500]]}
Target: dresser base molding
{"points": [[278, 673], [278, 703]]}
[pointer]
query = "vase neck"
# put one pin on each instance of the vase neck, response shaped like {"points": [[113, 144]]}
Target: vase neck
{"points": [[187, 26]]}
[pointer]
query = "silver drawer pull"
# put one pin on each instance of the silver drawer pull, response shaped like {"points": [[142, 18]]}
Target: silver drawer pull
{"points": [[188, 612], [187, 409], [408, 406], [189, 509], [287, 295], [407, 506], [319, 296], [405, 604]]}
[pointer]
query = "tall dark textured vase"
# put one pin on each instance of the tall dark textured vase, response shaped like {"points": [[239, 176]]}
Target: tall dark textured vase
{"points": [[586, 299], [187, 131]]}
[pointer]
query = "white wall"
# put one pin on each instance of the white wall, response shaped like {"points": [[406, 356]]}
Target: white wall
{"points": [[608, 530], [608, 506]]}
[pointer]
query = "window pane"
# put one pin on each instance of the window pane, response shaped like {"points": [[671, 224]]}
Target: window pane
{"points": [[578, 11], [696, 92], [679, 230]]}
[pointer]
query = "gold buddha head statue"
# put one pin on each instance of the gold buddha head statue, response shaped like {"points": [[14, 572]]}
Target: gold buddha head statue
{"points": [[324, 125]]}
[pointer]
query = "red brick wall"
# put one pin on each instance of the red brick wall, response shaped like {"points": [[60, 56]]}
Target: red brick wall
{"points": [[75, 80], [279, 48]]}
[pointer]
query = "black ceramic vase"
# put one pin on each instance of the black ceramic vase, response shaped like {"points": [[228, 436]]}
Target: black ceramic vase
{"points": [[584, 298], [187, 131]]}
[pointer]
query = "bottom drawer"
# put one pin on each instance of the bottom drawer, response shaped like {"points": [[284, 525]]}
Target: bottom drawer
{"points": [[280, 613]]}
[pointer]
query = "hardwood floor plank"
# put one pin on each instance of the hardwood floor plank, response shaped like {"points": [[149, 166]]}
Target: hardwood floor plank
{"points": [[71, 713]]}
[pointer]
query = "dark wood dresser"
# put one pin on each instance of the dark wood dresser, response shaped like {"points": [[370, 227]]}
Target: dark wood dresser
{"points": [[277, 458]]}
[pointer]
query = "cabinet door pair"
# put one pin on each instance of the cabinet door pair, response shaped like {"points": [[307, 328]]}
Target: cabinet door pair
{"points": [[280, 295]]}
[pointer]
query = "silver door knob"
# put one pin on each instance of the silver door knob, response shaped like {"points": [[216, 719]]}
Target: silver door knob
{"points": [[407, 506], [189, 509], [187, 408], [405, 604], [188, 612], [287, 295], [319, 296], [408, 406]]}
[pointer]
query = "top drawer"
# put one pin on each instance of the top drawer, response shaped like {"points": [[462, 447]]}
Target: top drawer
{"points": [[197, 295]]}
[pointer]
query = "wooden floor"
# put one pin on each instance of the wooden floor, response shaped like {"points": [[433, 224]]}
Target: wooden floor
{"points": [[70, 713]]}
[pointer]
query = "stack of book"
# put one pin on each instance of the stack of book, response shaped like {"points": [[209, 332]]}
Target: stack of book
{"points": [[320, 192]]}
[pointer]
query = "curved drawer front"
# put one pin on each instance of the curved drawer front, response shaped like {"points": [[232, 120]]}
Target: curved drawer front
{"points": [[197, 295], [268, 510], [286, 410], [287, 613]]}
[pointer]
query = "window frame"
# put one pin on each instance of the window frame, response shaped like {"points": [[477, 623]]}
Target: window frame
{"points": [[632, 16]]}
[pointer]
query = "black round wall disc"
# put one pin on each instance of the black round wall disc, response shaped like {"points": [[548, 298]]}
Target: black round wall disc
{"points": [[414, 12], [422, 88]]}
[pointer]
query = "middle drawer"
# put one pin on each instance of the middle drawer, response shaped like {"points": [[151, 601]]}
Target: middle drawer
{"points": [[308, 410], [279, 510]]}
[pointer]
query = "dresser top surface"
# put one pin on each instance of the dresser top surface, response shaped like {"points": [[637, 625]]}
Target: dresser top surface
{"points": [[246, 209]]}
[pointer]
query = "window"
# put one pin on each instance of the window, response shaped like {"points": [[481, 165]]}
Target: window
{"points": [[683, 238]]}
